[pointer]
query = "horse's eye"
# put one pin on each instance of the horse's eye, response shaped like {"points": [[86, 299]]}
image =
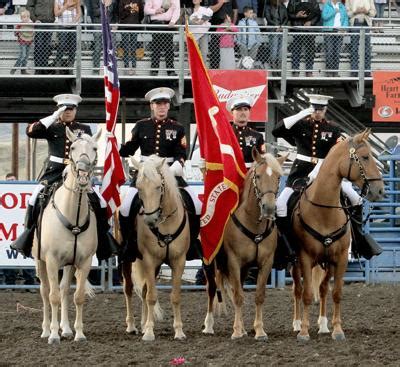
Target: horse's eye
{"points": [[365, 157], [95, 149], [158, 188], [258, 177], [72, 148]]}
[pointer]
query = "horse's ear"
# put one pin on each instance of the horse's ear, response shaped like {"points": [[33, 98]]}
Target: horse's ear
{"points": [[70, 135], [359, 138], [161, 163], [366, 134], [255, 154], [135, 163], [282, 158], [96, 136]]}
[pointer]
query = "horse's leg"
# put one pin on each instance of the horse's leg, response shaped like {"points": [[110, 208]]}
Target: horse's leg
{"points": [[339, 271], [151, 299], [79, 298], [238, 296], [128, 290], [262, 277], [64, 290], [44, 292], [306, 269], [54, 297], [323, 293], [211, 290], [144, 308], [177, 266], [297, 293]]}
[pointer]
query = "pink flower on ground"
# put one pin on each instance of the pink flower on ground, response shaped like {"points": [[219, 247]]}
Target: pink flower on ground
{"points": [[177, 361]]}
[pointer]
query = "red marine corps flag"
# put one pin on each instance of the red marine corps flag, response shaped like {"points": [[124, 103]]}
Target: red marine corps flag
{"points": [[114, 175], [225, 167]]}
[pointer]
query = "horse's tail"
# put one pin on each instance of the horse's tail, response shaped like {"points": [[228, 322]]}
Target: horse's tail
{"points": [[141, 287], [89, 290], [318, 275]]}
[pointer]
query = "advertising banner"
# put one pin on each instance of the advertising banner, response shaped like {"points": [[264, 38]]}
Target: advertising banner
{"points": [[386, 90]]}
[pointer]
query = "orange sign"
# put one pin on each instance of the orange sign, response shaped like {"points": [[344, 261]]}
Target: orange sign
{"points": [[249, 83], [386, 90]]}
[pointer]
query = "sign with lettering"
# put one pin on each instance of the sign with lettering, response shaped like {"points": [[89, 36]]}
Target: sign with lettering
{"points": [[386, 90], [249, 83]]}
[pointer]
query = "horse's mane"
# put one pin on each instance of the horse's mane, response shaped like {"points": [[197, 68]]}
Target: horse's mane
{"points": [[149, 170]]}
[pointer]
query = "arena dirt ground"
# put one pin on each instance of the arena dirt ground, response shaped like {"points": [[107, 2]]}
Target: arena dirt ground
{"points": [[371, 321]]}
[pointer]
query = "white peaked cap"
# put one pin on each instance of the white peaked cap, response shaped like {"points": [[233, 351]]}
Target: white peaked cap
{"points": [[67, 99], [237, 102], [319, 99], [159, 94]]}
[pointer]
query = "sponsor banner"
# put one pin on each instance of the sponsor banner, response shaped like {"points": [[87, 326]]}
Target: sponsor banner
{"points": [[386, 89], [13, 202], [249, 83]]}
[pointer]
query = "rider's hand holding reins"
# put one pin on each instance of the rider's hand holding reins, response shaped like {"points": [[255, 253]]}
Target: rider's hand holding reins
{"points": [[291, 120], [49, 120]]}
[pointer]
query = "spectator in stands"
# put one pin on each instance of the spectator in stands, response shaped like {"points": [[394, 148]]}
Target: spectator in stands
{"points": [[249, 38], [130, 12], [42, 11], [360, 13], [6, 7], [163, 12], [276, 15], [242, 4], [220, 8], [380, 10], [68, 12], [227, 44], [200, 25], [303, 13], [24, 34], [333, 15]]}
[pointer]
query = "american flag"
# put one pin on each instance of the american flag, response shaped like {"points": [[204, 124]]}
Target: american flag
{"points": [[114, 175]]}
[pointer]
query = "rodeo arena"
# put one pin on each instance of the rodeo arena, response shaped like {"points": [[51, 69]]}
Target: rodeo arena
{"points": [[200, 182]]}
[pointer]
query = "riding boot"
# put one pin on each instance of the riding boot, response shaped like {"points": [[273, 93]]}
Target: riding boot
{"points": [[23, 244], [129, 247], [362, 244], [284, 253], [107, 245]]}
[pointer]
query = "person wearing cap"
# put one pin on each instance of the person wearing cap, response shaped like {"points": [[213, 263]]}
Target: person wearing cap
{"points": [[313, 137], [53, 129], [158, 135], [240, 107]]}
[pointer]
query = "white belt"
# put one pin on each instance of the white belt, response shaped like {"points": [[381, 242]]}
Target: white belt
{"points": [[249, 164], [306, 158], [144, 158], [53, 158]]}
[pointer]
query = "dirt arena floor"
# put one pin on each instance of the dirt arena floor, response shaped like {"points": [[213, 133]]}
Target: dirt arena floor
{"points": [[371, 322]]}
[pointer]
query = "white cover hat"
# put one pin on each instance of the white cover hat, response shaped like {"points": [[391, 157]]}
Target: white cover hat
{"points": [[319, 99], [237, 102], [159, 94], [67, 99]]}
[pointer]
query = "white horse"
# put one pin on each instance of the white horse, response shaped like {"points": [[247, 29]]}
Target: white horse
{"points": [[67, 238], [163, 237]]}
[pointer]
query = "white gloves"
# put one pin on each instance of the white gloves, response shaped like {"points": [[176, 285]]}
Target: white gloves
{"points": [[202, 163], [49, 120], [176, 169], [313, 174], [291, 120]]}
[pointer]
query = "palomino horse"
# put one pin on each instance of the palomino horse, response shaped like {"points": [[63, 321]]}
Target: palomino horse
{"points": [[67, 236], [321, 226], [163, 237], [250, 238]]}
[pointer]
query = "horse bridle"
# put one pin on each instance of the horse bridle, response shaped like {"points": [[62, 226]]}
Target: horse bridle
{"points": [[354, 158], [257, 192]]}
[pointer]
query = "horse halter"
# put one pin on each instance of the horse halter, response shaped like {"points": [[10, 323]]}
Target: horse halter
{"points": [[257, 192], [355, 158]]}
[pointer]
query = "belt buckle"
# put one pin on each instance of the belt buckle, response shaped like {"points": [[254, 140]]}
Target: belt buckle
{"points": [[66, 161], [314, 160]]}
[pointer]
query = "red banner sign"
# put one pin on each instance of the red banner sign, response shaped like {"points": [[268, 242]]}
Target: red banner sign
{"points": [[251, 83], [386, 90]]}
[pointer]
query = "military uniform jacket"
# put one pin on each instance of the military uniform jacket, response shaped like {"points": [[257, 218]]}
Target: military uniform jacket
{"points": [[248, 138], [165, 138], [59, 145], [312, 139]]}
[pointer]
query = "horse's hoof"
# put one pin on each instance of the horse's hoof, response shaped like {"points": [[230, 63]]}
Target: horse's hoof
{"points": [[133, 331], [45, 334], [67, 334], [208, 331], [235, 337], [148, 337], [338, 336], [303, 338], [54, 341], [180, 337], [323, 331], [80, 339], [261, 338]]}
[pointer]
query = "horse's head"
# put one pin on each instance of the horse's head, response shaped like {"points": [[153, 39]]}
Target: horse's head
{"points": [[83, 156], [151, 185], [361, 169], [265, 174]]}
